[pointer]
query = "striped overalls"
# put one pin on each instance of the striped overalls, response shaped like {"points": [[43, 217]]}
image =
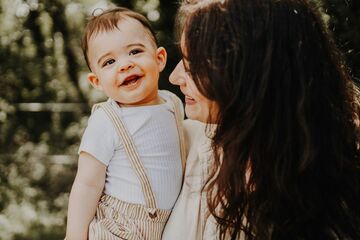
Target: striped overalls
{"points": [[116, 219]]}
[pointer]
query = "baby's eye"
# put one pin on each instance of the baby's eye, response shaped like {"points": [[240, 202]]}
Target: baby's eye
{"points": [[135, 51], [108, 62]]}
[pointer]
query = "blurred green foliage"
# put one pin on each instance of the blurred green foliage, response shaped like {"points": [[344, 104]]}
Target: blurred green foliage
{"points": [[41, 62], [344, 22]]}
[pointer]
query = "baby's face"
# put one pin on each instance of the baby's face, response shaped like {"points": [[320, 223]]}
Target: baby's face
{"points": [[126, 63]]}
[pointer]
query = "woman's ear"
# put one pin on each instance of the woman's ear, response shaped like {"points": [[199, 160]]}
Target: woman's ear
{"points": [[94, 81], [161, 56]]}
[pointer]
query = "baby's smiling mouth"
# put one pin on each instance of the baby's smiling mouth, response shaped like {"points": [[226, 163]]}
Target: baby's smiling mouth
{"points": [[132, 79]]}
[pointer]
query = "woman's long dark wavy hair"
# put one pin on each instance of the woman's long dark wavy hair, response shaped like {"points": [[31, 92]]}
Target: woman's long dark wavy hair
{"points": [[287, 142]]}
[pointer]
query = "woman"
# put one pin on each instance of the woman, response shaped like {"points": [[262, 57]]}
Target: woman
{"points": [[286, 143]]}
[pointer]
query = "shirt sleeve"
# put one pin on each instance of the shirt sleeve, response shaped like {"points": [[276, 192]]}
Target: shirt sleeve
{"points": [[99, 138], [168, 96], [181, 106]]}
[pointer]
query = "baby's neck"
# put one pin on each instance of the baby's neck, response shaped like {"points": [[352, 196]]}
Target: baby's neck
{"points": [[155, 101]]}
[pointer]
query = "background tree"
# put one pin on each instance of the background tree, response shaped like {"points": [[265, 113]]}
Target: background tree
{"points": [[45, 99], [344, 22]]}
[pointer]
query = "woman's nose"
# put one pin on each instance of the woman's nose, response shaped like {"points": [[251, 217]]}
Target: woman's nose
{"points": [[177, 77], [125, 67]]}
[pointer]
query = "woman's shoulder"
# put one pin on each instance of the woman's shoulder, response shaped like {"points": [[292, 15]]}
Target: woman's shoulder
{"points": [[198, 129], [194, 128], [195, 133], [194, 124]]}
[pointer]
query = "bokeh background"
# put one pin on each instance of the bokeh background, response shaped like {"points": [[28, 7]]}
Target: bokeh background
{"points": [[45, 99]]}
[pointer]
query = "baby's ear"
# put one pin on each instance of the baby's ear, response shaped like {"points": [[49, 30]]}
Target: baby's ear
{"points": [[94, 81], [161, 55]]}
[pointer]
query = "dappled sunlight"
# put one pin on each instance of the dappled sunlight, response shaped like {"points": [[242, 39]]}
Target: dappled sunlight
{"points": [[45, 100]]}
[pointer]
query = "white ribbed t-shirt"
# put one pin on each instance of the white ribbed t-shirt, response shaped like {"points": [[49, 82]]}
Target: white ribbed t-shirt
{"points": [[154, 133]]}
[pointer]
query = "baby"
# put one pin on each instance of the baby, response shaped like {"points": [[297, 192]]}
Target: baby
{"points": [[131, 154]]}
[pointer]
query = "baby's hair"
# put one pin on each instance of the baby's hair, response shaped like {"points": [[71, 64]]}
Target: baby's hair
{"points": [[107, 20]]}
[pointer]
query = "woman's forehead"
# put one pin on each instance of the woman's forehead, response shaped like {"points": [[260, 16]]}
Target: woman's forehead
{"points": [[183, 45]]}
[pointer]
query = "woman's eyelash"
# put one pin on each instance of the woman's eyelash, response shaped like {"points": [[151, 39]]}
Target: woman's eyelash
{"points": [[186, 65]]}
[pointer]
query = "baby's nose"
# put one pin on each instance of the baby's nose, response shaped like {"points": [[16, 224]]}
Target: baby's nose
{"points": [[126, 67]]}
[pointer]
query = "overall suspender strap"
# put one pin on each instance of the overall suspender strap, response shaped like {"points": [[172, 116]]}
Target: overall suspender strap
{"points": [[132, 154], [179, 125]]}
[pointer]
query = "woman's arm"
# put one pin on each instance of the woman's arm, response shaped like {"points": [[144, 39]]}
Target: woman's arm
{"points": [[84, 196]]}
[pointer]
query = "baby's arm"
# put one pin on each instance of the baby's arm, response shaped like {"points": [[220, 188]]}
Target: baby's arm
{"points": [[84, 196]]}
